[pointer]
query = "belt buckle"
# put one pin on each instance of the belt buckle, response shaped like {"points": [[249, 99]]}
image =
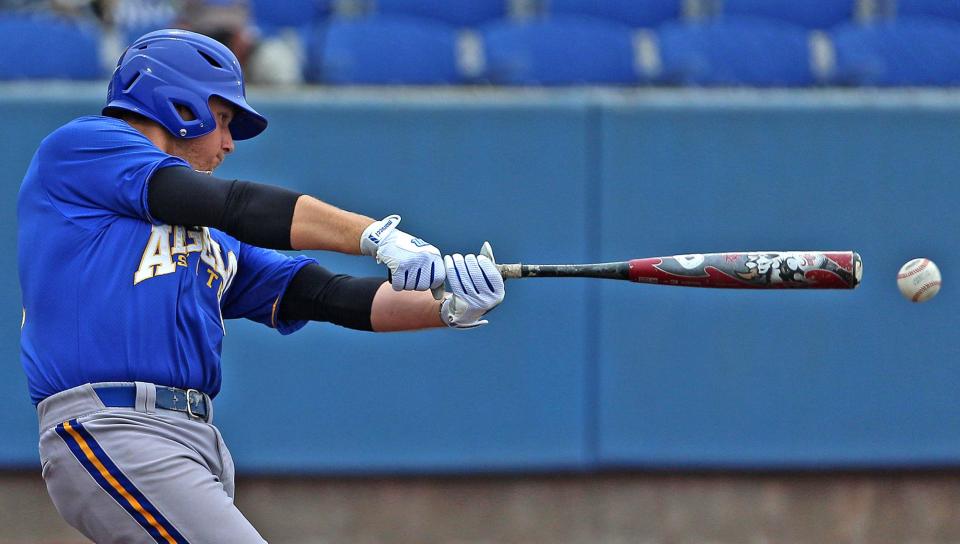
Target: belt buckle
{"points": [[189, 409]]}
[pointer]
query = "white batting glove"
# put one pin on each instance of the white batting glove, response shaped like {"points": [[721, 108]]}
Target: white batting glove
{"points": [[476, 287], [414, 264]]}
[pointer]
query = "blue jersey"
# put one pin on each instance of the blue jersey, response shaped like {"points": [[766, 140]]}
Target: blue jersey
{"points": [[112, 294]]}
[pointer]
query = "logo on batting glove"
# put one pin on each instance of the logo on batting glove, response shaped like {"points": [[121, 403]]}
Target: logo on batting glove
{"points": [[375, 237], [376, 233]]}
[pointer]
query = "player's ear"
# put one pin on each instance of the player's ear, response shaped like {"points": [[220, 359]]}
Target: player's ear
{"points": [[186, 113]]}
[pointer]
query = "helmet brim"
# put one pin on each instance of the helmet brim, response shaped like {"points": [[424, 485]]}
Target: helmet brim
{"points": [[247, 122]]}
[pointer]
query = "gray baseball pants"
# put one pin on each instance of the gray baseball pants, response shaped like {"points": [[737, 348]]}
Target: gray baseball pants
{"points": [[142, 474]]}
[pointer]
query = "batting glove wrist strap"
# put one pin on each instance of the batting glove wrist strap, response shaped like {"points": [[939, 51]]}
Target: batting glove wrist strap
{"points": [[376, 233], [476, 287], [451, 312], [414, 264]]}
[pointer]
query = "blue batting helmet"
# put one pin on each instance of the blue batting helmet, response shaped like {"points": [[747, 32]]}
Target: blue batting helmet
{"points": [[169, 68]]}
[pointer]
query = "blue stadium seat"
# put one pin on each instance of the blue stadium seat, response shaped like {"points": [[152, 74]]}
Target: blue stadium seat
{"points": [[559, 51], [636, 13], [808, 13], [133, 19], [735, 51], [271, 15], [934, 8], [454, 12], [919, 51], [384, 50], [47, 47], [130, 34]]}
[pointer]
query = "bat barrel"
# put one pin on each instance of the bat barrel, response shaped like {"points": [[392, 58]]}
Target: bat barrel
{"points": [[753, 270]]}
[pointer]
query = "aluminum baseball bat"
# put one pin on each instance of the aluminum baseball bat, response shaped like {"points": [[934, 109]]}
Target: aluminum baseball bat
{"points": [[735, 270]]}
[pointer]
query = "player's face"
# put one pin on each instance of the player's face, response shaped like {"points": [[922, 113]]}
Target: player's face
{"points": [[206, 152]]}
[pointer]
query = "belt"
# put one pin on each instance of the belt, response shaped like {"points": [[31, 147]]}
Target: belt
{"points": [[189, 401]]}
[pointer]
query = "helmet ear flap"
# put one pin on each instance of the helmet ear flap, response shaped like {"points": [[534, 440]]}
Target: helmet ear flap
{"points": [[189, 115], [185, 112]]}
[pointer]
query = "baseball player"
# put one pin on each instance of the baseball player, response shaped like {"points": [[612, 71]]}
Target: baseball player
{"points": [[132, 255]]}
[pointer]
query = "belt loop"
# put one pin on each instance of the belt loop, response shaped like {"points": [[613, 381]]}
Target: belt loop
{"points": [[88, 389], [209, 403], [146, 397]]}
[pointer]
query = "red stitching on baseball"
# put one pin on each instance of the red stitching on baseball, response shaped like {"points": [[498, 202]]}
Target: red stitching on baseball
{"points": [[924, 288], [916, 270]]}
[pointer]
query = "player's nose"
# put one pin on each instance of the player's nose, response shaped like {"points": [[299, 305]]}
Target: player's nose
{"points": [[226, 141]]}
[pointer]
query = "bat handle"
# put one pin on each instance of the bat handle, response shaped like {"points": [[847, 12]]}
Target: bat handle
{"points": [[507, 271], [510, 271]]}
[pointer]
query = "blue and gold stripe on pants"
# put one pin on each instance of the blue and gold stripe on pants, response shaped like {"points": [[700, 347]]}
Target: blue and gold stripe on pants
{"points": [[114, 482]]}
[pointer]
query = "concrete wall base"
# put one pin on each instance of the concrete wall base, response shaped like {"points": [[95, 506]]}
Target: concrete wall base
{"points": [[647, 508]]}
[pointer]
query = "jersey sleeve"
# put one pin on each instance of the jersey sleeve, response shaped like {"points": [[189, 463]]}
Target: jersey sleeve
{"points": [[261, 280], [97, 168]]}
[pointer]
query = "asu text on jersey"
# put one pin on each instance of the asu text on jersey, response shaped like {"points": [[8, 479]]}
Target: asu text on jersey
{"points": [[169, 248]]}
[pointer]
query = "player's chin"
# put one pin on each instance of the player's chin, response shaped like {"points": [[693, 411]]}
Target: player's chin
{"points": [[208, 169]]}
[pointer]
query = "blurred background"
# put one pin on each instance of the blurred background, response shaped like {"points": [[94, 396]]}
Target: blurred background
{"points": [[569, 131]]}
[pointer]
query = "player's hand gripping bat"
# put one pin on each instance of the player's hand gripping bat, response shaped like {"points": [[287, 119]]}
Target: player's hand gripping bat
{"points": [[738, 270]]}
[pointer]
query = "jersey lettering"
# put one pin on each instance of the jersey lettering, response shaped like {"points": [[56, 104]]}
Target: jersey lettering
{"points": [[211, 251], [167, 250], [228, 274], [196, 241], [179, 240], [156, 260], [211, 276]]}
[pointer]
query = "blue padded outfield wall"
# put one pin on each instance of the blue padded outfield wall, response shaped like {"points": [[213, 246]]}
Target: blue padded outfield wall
{"points": [[577, 374]]}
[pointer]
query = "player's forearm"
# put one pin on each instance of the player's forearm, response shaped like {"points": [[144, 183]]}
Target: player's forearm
{"points": [[258, 214], [357, 303], [318, 225], [404, 310]]}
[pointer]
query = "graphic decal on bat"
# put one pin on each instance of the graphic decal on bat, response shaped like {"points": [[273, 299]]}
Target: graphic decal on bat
{"points": [[689, 266], [788, 268], [761, 267]]}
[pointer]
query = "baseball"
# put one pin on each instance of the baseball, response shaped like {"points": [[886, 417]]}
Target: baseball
{"points": [[919, 280]]}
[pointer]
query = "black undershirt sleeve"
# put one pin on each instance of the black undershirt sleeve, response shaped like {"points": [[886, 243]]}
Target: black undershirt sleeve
{"points": [[261, 215], [317, 294], [254, 213]]}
